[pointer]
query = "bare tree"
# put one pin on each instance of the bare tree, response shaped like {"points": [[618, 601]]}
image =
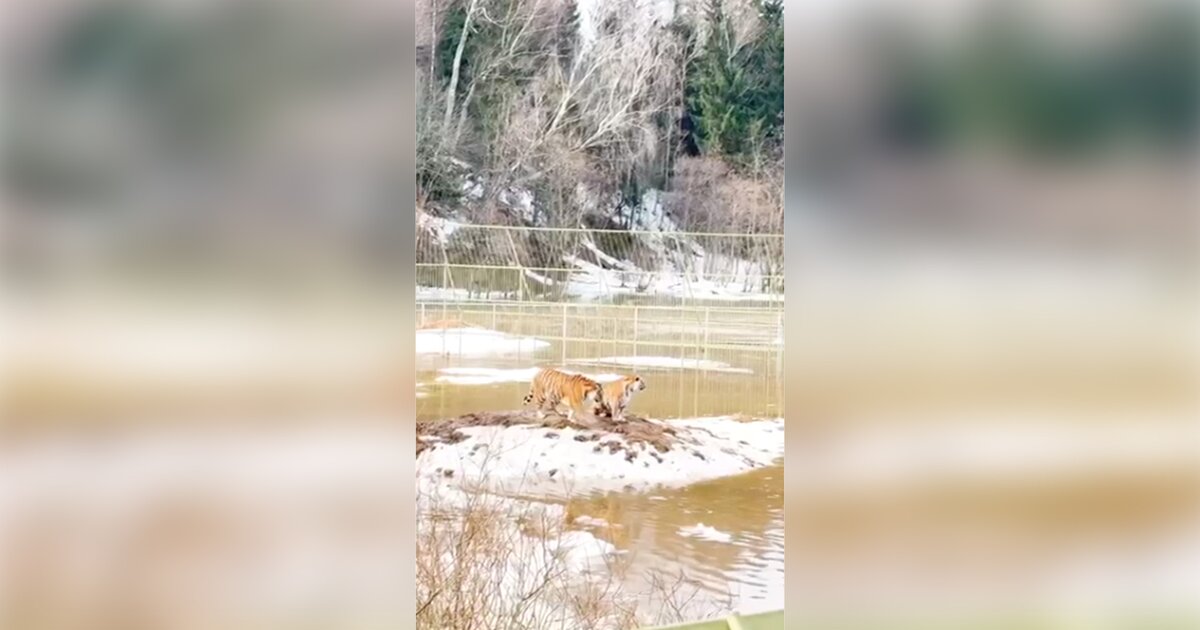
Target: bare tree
{"points": [[452, 88]]}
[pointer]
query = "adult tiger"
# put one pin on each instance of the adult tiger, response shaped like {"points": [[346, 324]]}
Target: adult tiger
{"points": [[617, 394], [551, 388]]}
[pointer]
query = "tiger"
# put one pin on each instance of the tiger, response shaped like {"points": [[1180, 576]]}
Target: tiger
{"points": [[551, 388], [616, 395]]}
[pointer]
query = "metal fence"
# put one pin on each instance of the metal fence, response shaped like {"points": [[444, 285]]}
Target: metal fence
{"points": [[482, 262], [699, 314]]}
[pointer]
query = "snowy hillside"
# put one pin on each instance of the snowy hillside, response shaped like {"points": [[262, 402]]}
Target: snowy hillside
{"points": [[633, 250]]}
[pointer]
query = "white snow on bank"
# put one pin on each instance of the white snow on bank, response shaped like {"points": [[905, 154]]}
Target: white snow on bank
{"points": [[491, 376], [537, 461], [448, 294], [441, 229], [705, 532], [583, 520], [591, 281], [684, 269], [671, 363], [474, 341]]}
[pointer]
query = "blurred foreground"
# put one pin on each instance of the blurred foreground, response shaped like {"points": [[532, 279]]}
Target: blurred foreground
{"points": [[207, 385], [992, 412]]}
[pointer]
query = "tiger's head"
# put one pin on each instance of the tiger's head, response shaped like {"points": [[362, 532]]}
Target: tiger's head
{"points": [[634, 383]]}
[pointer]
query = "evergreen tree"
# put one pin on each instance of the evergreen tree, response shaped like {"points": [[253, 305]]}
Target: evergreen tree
{"points": [[734, 96], [767, 64]]}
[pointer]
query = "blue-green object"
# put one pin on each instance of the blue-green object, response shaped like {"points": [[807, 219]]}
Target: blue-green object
{"points": [[760, 621]]}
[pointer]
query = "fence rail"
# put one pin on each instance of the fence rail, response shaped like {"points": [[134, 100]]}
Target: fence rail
{"points": [[700, 360], [706, 329], [467, 261], [702, 312]]}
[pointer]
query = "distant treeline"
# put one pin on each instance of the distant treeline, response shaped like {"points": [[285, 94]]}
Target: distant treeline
{"points": [[1015, 85], [529, 94]]}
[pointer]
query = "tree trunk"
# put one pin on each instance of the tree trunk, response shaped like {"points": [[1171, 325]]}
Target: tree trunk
{"points": [[452, 89]]}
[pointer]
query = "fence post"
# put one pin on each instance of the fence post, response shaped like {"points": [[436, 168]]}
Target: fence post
{"points": [[635, 330], [696, 374], [445, 286], [564, 333], [494, 316], [707, 309]]}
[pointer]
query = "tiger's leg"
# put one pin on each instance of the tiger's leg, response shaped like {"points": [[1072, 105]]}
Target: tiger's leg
{"points": [[539, 406], [549, 403]]}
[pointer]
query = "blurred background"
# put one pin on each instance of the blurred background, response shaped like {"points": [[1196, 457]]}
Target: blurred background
{"points": [[991, 229], [207, 377], [992, 350]]}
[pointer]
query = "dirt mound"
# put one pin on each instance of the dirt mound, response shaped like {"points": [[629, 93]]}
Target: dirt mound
{"points": [[634, 431]]}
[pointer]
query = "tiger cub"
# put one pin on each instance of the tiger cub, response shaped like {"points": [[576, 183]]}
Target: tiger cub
{"points": [[617, 394], [550, 388]]}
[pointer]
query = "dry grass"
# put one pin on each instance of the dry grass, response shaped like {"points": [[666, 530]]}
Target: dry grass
{"points": [[485, 562]]}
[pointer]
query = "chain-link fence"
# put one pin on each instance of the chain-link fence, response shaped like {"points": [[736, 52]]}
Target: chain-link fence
{"points": [[699, 315]]}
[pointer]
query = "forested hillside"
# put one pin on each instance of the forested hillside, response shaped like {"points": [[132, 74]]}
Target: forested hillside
{"points": [[560, 113]]}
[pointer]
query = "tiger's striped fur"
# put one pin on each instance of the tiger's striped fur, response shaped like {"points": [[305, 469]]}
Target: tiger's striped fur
{"points": [[616, 394], [551, 388]]}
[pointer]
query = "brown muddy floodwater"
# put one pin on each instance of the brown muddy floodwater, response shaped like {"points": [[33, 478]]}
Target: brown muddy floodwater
{"points": [[739, 562]]}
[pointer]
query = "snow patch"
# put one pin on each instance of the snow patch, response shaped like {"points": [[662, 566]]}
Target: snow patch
{"points": [[705, 532], [440, 228], [450, 294], [536, 461], [591, 521]]}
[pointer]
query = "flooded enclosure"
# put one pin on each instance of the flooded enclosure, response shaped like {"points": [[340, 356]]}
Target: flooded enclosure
{"points": [[716, 543]]}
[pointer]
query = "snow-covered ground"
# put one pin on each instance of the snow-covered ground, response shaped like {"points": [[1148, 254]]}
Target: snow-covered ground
{"points": [[441, 229], [449, 294], [590, 281], [536, 461], [685, 270]]}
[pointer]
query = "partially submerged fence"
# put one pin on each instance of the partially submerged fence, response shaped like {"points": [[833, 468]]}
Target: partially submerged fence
{"points": [[701, 313], [475, 262], [701, 360]]}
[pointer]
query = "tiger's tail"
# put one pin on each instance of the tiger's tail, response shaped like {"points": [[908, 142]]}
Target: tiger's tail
{"points": [[533, 387]]}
